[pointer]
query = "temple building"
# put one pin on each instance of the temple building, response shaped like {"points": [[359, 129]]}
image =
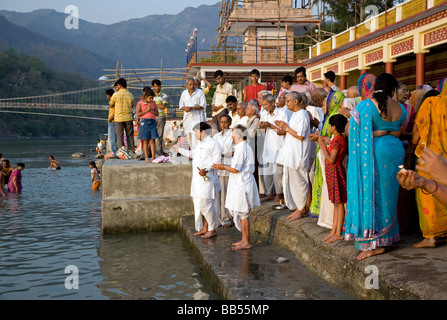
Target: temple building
{"points": [[408, 40]]}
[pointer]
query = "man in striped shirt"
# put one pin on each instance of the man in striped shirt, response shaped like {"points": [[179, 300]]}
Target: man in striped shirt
{"points": [[218, 104]]}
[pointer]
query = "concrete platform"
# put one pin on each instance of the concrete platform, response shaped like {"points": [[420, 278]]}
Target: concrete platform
{"points": [[140, 197], [403, 273]]}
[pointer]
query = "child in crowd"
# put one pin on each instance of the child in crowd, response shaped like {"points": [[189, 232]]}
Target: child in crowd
{"points": [[15, 180], [96, 179], [147, 112], [336, 173], [242, 190], [53, 163]]}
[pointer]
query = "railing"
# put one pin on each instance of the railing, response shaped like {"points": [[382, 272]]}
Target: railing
{"points": [[399, 12], [49, 105], [285, 54]]}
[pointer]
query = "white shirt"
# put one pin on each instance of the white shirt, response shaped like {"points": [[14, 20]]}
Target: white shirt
{"points": [[243, 121], [194, 116], [295, 153], [242, 192], [288, 112], [225, 142], [234, 119], [318, 114], [273, 141], [206, 153]]}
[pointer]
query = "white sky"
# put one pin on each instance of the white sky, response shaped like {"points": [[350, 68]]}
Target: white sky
{"points": [[107, 11]]}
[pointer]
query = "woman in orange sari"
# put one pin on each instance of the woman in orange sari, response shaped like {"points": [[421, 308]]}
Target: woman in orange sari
{"points": [[430, 131]]}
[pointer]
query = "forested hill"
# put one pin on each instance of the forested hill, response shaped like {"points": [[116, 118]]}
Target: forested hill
{"points": [[55, 53], [137, 43], [21, 76]]}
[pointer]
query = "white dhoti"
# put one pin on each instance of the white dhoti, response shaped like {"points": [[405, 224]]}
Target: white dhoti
{"points": [[237, 217], [192, 140], [272, 175], [326, 217], [207, 209], [223, 213], [296, 188]]}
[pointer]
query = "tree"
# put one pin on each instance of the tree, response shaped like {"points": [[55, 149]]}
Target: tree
{"points": [[347, 13]]}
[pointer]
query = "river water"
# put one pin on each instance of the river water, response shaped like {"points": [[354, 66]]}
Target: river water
{"points": [[52, 247]]}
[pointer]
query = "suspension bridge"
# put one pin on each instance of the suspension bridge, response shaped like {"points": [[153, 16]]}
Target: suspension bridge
{"points": [[94, 99], [91, 99]]}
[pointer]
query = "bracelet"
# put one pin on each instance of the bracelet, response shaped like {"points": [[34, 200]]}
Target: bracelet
{"points": [[429, 194]]}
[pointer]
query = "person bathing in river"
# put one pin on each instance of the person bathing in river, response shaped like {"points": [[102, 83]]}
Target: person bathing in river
{"points": [[5, 174], [53, 163], [15, 180], [95, 173]]}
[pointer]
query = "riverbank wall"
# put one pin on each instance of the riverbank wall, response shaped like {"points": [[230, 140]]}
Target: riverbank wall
{"points": [[139, 197], [142, 197]]}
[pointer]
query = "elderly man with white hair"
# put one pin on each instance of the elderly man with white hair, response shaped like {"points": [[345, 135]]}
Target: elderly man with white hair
{"points": [[281, 103], [274, 137], [255, 138], [294, 156], [193, 104]]}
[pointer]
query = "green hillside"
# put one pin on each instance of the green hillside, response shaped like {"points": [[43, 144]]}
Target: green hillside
{"points": [[21, 76]]}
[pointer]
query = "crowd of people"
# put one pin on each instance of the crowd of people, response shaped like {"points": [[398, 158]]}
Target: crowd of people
{"points": [[368, 163], [365, 162]]}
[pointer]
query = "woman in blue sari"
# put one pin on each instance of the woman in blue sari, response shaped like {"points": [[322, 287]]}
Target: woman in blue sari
{"points": [[375, 153]]}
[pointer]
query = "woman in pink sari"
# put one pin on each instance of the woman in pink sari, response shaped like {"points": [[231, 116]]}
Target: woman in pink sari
{"points": [[15, 180]]}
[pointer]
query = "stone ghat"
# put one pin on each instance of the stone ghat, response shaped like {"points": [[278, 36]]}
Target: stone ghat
{"points": [[140, 197]]}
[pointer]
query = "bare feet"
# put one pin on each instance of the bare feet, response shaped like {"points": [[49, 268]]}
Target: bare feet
{"points": [[297, 214], [334, 238], [201, 232], [328, 236], [268, 197], [367, 254], [209, 234], [278, 198], [426, 243], [241, 246]]}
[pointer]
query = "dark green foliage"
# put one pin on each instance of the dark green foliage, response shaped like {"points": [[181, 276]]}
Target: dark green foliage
{"points": [[21, 76]]}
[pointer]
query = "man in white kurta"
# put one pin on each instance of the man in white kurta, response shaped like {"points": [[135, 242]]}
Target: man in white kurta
{"points": [[271, 172], [205, 182], [226, 144], [193, 104], [243, 194], [294, 156]]}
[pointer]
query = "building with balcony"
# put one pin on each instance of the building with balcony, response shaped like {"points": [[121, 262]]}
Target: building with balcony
{"points": [[408, 41], [254, 34]]}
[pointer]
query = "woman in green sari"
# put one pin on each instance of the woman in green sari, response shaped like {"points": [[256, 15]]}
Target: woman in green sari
{"points": [[330, 107]]}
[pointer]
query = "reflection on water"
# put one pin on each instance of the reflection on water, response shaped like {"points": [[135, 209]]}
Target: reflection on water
{"points": [[148, 270], [56, 222]]}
